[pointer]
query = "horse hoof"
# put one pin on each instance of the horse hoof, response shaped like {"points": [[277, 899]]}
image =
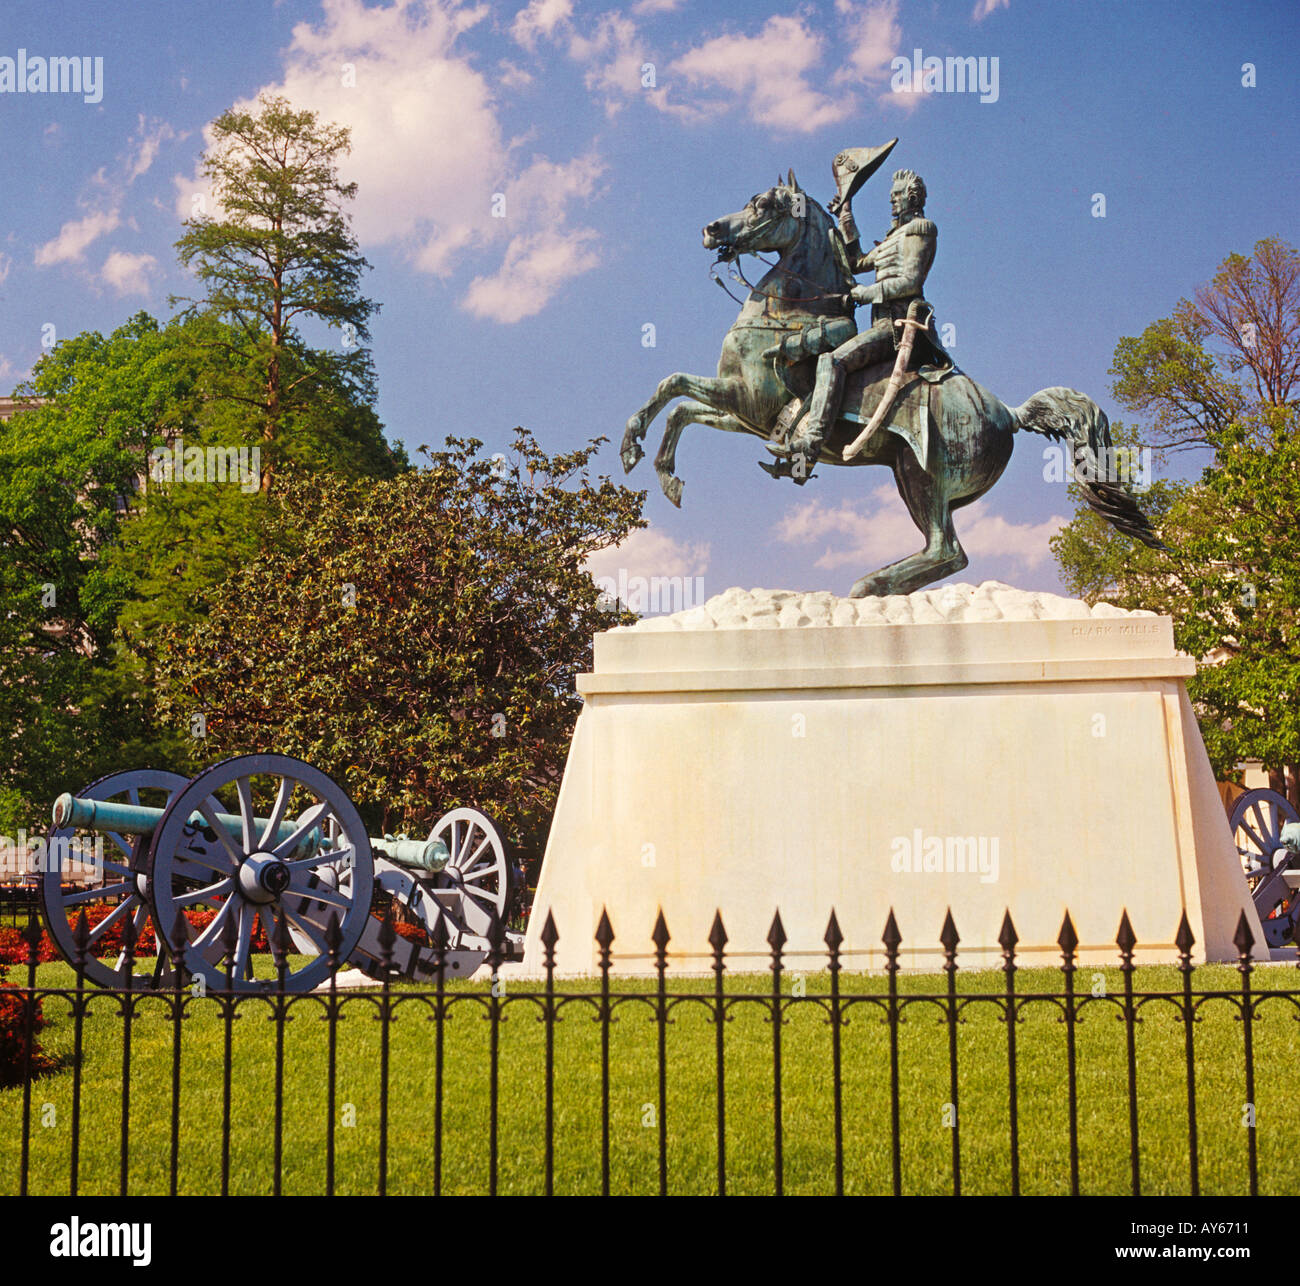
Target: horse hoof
{"points": [[672, 488], [631, 455]]}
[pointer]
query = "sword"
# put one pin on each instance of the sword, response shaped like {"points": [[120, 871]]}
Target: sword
{"points": [[910, 326]]}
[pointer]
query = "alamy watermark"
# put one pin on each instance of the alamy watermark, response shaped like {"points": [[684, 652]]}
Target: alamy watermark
{"points": [[649, 594], [918, 854], [935, 75], [73, 857], [1124, 465], [179, 463], [36, 75]]}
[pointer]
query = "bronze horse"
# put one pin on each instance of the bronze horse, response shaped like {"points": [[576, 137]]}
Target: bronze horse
{"points": [[971, 432]]}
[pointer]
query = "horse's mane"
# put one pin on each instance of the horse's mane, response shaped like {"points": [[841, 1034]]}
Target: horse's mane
{"points": [[827, 227]]}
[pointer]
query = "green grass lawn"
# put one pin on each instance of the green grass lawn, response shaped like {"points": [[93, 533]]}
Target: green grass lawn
{"points": [[926, 1138]]}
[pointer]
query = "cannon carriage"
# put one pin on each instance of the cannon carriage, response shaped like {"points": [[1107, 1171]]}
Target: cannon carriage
{"points": [[266, 837]]}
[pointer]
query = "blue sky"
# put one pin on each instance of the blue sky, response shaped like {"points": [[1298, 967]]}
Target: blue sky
{"points": [[537, 318]]}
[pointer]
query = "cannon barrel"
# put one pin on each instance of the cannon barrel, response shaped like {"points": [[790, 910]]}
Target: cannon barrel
{"points": [[137, 819], [419, 854]]}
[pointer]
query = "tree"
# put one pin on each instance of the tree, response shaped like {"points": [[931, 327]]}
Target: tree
{"points": [[282, 253], [95, 555], [1221, 375], [416, 638], [69, 482]]}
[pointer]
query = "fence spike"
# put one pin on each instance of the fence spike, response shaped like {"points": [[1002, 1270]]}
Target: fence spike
{"points": [[80, 941], [439, 935], [1243, 939], [891, 937], [496, 936], [1007, 935], [717, 934], [834, 939], [386, 938], [550, 934], [1067, 939], [660, 936], [1184, 939], [333, 935], [1126, 939], [604, 930], [180, 936], [948, 935], [776, 938]]}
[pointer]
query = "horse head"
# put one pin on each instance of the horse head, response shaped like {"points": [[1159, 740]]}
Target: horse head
{"points": [[771, 220], [785, 219]]}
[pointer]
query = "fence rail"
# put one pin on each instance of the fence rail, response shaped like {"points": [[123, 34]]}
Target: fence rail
{"points": [[18, 903], [779, 1070]]}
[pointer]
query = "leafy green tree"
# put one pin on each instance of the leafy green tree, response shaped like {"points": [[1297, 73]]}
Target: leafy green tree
{"points": [[280, 252], [69, 480], [415, 638], [1220, 377]]}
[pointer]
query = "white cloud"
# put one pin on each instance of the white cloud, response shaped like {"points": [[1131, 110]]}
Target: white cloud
{"points": [[870, 40], [615, 53], [128, 274], [512, 75], [107, 188], [536, 265], [75, 236], [150, 136], [540, 18], [985, 7], [990, 535], [773, 73], [6, 263], [429, 152], [649, 552], [879, 530], [777, 75], [656, 6]]}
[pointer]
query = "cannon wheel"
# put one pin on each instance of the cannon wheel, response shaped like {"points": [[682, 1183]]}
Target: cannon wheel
{"points": [[478, 868], [256, 875], [120, 889], [1256, 822]]}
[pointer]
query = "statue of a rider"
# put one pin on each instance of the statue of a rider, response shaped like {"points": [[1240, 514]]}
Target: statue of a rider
{"points": [[901, 262]]}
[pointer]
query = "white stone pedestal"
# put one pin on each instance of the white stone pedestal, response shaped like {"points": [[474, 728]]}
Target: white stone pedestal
{"points": [[806, 752]]}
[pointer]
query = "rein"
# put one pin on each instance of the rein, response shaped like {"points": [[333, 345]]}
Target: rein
{"points": [[738, 275]]}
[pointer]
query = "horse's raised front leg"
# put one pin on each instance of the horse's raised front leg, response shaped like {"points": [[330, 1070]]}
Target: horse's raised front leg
{"points": [[679, 417], [714, 392]]}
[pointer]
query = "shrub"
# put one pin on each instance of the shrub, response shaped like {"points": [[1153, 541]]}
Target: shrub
{"points": [[13, 1038]]}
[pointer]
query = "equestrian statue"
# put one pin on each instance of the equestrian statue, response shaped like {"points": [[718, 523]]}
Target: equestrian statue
{"points": [[796, 371]]}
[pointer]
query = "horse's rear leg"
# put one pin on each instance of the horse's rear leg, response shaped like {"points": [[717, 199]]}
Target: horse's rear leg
{"points": [[930, 509], [679, 417], [714, 392]]}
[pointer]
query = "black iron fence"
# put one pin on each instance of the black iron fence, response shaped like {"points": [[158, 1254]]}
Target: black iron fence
{"points": [[18, 903], [824, 1077]]}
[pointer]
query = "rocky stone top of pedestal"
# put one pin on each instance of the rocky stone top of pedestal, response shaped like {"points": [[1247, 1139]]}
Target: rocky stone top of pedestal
{"points": [[739, 609]]}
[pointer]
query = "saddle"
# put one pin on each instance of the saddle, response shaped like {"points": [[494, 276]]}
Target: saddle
{"points": [[909, 417]]}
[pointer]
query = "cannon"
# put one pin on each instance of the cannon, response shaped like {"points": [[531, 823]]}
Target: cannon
{"points": [[1266, 830], [262, 836]]}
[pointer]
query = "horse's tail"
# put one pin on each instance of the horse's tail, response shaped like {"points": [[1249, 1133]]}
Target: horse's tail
{"points": [[1065, 413]]}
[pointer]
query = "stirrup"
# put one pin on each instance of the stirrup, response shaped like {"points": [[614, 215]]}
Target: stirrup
{"points": [[784, 468]]}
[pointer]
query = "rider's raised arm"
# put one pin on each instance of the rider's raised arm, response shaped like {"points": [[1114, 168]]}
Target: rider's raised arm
{"points": [[858, 261]]}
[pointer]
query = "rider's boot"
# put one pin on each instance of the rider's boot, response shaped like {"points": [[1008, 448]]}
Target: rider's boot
{"points": [[812, 429]]}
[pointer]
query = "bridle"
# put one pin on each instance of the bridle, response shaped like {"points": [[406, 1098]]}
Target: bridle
{"points": [[737, 274]]}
